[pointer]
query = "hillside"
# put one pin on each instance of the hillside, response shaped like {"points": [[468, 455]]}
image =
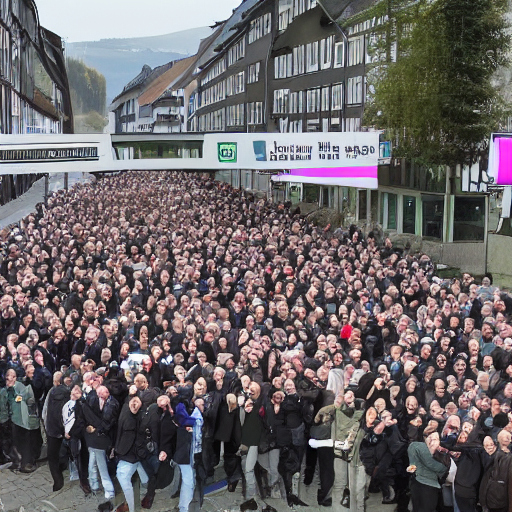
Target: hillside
{"points": [[119, 60]]}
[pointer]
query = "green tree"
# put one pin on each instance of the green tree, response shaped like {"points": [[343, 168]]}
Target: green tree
{"points": [[437, 101], [88, 87]]}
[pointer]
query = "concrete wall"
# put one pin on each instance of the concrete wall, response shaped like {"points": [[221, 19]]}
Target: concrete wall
{"points": [[467, 256], [499, 261]]}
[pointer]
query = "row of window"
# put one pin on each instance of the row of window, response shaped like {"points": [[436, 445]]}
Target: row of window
{"points": [[235, 115], [333, 123], [260, 27], [290, 9], [324, 54], [212, 121], [215, 71], [236, 52], [310, 58], [234, 84], [319, 99], [367, 25], [253, 73], [5, 54]]}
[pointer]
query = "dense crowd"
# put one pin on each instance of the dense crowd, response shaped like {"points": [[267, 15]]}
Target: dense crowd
{"points": [[156, 321]]}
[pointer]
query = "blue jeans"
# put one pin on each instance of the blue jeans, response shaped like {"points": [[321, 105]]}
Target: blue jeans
{"points": [[248, 463], [125, 471], [188, 480], [98, 463]]}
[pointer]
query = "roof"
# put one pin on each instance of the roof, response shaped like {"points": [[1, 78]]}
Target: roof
{"points": [[186, 77], [157, 87], [147, 75], [340, 10], [227, 31]]}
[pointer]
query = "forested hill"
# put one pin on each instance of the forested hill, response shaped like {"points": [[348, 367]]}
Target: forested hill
{"points": [[88, 96], [119, 60]]}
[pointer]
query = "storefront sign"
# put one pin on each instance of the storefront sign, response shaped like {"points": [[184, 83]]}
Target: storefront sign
{"points": [[226, 152], [48, 154], [500, 159]]}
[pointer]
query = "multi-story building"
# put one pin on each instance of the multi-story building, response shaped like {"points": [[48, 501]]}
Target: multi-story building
{"points": [[302, 66], [34, 89]]}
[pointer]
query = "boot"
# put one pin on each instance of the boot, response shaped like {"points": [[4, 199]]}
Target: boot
{"points": [[147, 501], [294, 501], [106, 507], [345, 501], [249, 505]]}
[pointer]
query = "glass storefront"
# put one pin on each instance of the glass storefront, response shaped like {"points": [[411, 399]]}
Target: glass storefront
{"points": [[409, 216], [469, 219], [433, 213]]}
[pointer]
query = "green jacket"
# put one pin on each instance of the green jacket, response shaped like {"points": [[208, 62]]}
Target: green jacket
{"points": [[345, 426], [22, 405], [428, 470]]}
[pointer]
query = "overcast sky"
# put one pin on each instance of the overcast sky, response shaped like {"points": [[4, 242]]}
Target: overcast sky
{"points": [[90, 20]]}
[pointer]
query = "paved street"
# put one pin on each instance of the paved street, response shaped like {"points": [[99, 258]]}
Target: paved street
{"points": [[34, 493], [22, 206]]}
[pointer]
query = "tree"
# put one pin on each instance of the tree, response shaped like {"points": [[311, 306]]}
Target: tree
{"points": [[437, 101]]}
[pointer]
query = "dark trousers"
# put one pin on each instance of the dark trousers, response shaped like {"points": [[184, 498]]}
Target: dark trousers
{"points": [[466, 504], [232, 462], [7, 448], [311, 458], [80, 455], [54, 445], [28, 443], [424, 497], [325, 458], [151, 465]]}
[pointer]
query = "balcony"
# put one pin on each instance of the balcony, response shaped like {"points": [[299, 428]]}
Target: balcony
{"points": [[169, 118]]}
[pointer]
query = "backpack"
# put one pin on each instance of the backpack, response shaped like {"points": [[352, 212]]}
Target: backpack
{"points": [[495, 489]]}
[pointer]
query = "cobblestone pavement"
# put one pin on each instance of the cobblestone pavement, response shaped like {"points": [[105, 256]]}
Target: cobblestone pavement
{"points": [[34, 493]]}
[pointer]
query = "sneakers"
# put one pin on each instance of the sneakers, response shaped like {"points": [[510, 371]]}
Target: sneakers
{"points": [[106, 507], [388, 500], [275, 491], [295, 483]]}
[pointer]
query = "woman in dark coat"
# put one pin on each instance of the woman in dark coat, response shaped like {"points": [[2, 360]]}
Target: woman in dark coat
{"points": [[229, 430]]}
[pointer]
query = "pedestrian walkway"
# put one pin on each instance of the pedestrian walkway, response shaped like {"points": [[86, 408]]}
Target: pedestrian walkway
{"points": [[34, 493], [15, 210]]}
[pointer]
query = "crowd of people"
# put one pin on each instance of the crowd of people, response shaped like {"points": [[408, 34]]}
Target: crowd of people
{"points": [[156, 321]]}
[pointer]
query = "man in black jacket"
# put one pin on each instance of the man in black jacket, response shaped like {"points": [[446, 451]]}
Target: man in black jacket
{"points": [[100, 412], [158, 422], [131, 449], [52, 417]]}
